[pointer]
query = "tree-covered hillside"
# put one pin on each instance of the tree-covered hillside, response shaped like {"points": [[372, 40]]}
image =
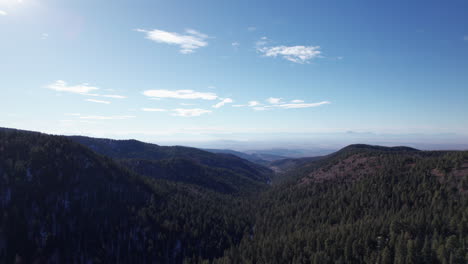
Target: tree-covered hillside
{"points": [[364, 204], [188, 171], [133, 149], [61, 202]]}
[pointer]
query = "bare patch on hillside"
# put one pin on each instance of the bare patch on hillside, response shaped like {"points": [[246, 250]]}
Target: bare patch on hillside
{"points": [[350, 169], [456, 176]]}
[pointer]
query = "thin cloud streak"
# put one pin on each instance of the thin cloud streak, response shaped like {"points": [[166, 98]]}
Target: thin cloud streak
{"points": [[94, 117], [223, 102], [82, 89], [190, 112], [61, 86], [98, 101], [180, 94], [153, 110], [187, 43]]}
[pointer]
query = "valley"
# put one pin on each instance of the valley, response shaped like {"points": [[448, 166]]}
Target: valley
{"points": [[90, 200]]}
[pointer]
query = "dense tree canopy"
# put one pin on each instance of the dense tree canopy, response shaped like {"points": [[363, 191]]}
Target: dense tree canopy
{"points": [[61, 202]]}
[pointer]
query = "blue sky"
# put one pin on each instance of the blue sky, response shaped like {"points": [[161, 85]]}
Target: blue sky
{"points": [[187, 71]]}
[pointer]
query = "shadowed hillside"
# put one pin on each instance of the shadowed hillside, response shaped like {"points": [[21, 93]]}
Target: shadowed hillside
{"points": [[63, 203], [364, 204], [133, 149]]}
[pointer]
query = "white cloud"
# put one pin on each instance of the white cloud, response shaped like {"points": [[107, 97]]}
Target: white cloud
{"points": [[251, 29], [83, 89], [297, 54], [223, 102], [253, 103], [180, 94], [277, 104], [188, 43], [186, 104], [72, 114], [238, 105], [61, 86], [190, 112], [235, 44], [115, 96], [44, 36], [465, 38], [153, 110], [3, 13], [297, 101], [98, 101], [196, 33], [121, 117], [302, 105], [273, 100]]}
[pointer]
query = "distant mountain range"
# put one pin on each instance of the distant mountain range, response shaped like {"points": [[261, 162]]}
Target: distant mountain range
{"points": [[90, 200], [259, 158]]}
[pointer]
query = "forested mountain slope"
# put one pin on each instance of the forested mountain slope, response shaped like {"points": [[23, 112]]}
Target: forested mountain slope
{"points": [[62, 203], [364, 204], [188, 171], [137, 150]]}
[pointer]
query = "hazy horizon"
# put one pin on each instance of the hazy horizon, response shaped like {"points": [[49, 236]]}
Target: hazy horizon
{"points": [[232, 71]]}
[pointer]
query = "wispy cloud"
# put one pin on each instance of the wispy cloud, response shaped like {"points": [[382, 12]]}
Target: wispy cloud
{"points": [[3, 13], [190, 112], [83, 89], [119, 117], [249, 104], [302, 105], [180, 94], [275, 103], [465, 38], [273, 100], [253, 103], [235, 45], [153, 110], [223, 102], [61, 86], [98, 101], [188, 42], [251, 29], [115, 96], [297, 101], [297, 54]]}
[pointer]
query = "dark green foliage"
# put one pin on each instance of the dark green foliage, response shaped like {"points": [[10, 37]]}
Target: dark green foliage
{"points": [[133, 149], [413, 209], [188, 171], [60, 202]]}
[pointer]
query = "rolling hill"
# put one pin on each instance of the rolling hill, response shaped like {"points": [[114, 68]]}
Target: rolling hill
{"points": [[85, 200], [60, 202], [137, 150], [364, 204]]}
